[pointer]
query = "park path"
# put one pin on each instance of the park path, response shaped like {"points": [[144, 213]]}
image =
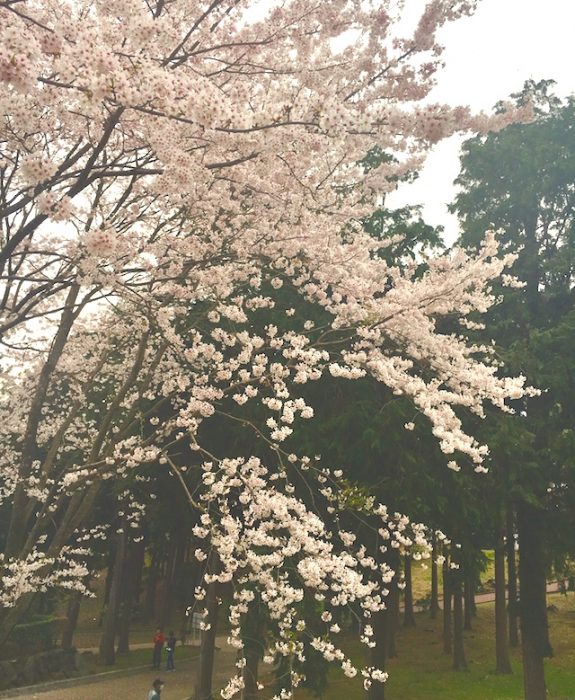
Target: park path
{"points": [[134, 684]]}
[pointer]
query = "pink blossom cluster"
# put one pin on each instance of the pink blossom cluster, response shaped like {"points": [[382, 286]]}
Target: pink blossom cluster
{"points": [[100, 242]]}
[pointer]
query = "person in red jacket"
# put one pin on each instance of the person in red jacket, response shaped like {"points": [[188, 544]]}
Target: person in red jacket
{"points": [[159, 640]]}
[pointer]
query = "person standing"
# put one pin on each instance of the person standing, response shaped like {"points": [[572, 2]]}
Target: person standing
{"points": [[156, 689], [159, 640], [170, 647]]}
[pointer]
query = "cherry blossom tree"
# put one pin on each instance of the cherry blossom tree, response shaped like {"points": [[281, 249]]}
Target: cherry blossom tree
{"points": [[166, 168]]}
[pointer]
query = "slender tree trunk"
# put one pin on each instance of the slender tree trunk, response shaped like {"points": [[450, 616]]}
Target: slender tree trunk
{"points": [[129, 596], [434, 603], [107, 654], [253, 651], [72, 613], [408, 614], [250, 674], [468, 602], [164, 604], [110, 567], [191, 582], [139, 559], [533, 610], [459, 660], [503, 664], [208, 641], [378, 654], [150, 599], [17, 530], [512, 605], [447, 632], [393, 612]]}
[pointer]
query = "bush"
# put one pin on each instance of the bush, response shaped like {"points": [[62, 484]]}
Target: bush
{"points": [[40, 634]]}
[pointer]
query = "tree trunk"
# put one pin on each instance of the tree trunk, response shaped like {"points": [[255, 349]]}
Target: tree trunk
{"points": [[107, 654], [17, 527], [129, 596], [250, 674], [512, 604], [110, 567], [408, 614], [459, 660], [253, 650], [392, 618], [72, 613], [208, 641], [533, 610], [434, 603], [469, 607], [447, 632], [150, 599], [503, 664], [378, 654], [164, 605]]}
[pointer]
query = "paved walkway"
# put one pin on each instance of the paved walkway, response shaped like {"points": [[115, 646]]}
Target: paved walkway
{"points": [[131, 684]]}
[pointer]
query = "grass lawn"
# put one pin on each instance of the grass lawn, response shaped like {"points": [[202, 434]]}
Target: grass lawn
{"points": [[422, 672], [135, 659]]}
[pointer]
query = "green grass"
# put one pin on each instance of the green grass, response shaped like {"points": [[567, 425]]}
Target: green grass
{"points": [[422, 672], [421, 576], [135, 659]]}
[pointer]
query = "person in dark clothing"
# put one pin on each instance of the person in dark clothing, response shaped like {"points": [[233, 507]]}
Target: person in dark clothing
{"points": [[159, 640], [170, 646], [156, 690]]}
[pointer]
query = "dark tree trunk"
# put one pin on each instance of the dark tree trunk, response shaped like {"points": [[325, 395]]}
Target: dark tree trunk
{"points": [[150, 599], [447, 632], [129, 597], [503, 664], [469, 602], [164, 604], [72, 613], [250, 674], [533, 610], [393, 612], [139, 559], [459, 660], [434, 603], [253, 651], [111, 563], [512, 605], [107, 653], [378, 654], [208, 641], [408, 614]]}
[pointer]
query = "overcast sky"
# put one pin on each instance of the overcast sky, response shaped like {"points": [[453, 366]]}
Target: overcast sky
{"points": [[487, 57]]}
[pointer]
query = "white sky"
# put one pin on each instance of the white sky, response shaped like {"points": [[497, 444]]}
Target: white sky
{"points": [[487, 57]]}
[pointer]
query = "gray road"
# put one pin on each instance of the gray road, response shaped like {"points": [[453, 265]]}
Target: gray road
{"points": [[179, 684]]}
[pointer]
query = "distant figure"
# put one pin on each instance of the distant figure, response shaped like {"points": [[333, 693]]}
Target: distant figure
{"points": [[156, 690], [170, 646], [159, 640]]}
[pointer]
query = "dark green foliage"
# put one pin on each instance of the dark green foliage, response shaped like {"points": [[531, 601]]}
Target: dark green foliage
{"points": [[39, 634], [521, 182]]}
